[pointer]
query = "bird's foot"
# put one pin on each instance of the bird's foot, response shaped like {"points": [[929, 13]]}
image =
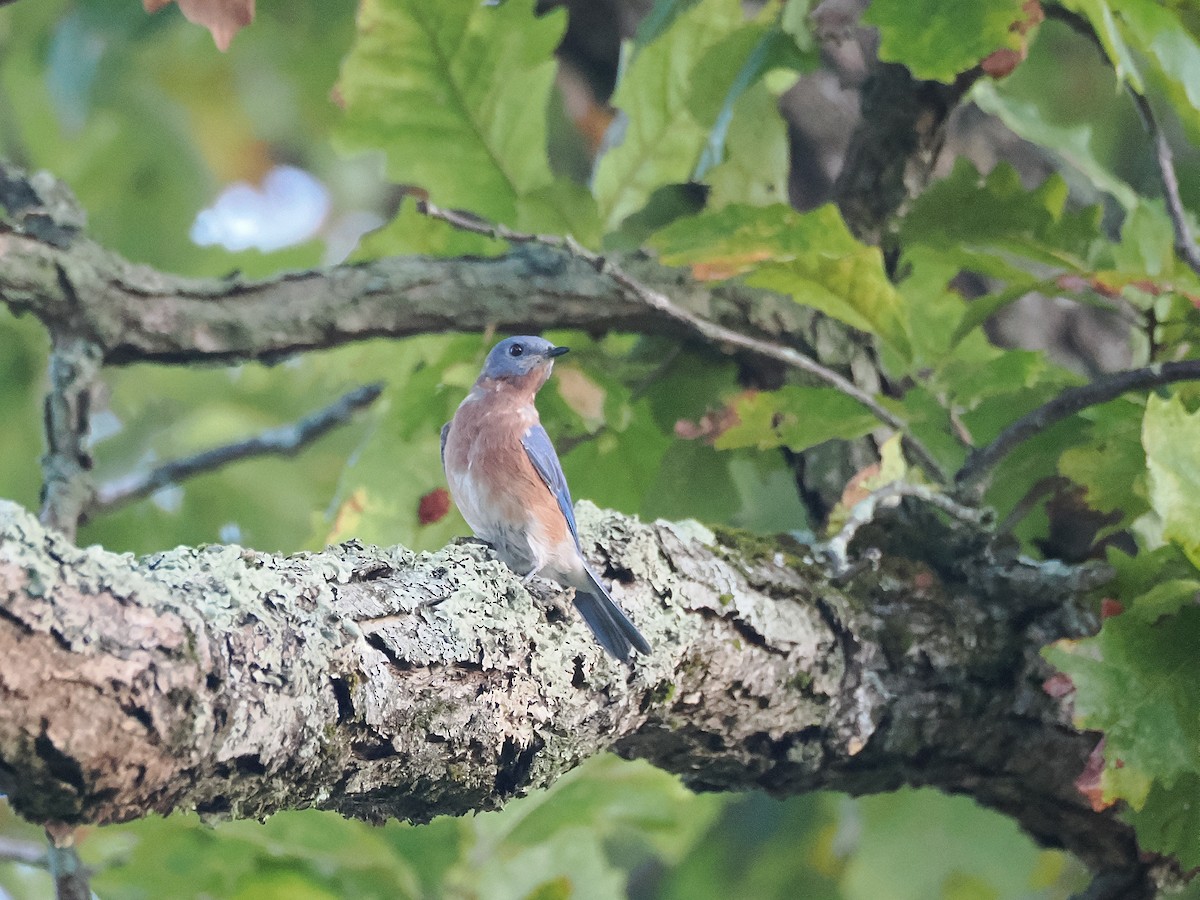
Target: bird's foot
{"points": [[549, 596], [472, 541]]}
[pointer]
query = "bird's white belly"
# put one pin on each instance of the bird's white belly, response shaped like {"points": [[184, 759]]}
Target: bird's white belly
{"points": [[508, 534]]}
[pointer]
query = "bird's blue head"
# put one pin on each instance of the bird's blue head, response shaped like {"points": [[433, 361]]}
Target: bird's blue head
{"points": [[515, 358]]}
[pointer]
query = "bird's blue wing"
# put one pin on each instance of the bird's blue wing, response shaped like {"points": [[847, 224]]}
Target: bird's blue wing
{"points": [[445, 434], [541, 453]]}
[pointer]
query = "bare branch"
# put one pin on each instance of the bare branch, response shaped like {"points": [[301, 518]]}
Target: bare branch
{"points": [[66, 868], [26, 852], [981, 462], [285, 441], [1185, 241], [67, 484], [66, 492], [712, 331]]}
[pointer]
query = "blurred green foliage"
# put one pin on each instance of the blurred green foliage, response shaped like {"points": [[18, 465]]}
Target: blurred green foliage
{"points": [[146, 122]]}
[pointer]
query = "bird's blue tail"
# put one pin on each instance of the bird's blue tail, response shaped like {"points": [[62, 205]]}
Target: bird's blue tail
{"points": [[609, 624]]}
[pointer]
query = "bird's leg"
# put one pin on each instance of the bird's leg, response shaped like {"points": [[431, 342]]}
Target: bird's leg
{"points": [[547, 594], [461, 541]]}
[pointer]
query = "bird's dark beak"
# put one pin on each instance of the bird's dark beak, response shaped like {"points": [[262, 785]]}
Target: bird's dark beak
{"points": [[557, 351]]}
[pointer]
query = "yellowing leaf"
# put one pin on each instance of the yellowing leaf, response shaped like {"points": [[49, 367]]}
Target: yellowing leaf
{"points": [[938, 39], [345, 520], [811, 256], [891, 467], [720, 268], [583, 395]]}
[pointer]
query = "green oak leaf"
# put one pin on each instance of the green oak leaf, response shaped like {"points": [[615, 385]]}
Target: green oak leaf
{"points": [[952, 832], [938, 39], [1139, 574], [1157, 31], [1133, 681], [657, 139], [659, 20], [1151, 49], [1169, 820], [1111, 464], [994, 216], [990, 224], [1074, 144], [750, 52], [756, 167], [1099, 14], [455, 93]]}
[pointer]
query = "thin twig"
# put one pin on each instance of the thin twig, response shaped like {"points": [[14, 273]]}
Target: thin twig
{"points": [[836, 549], [28, 853], [68, 871], [283, 441], [1115, 884], [710, 330], [66, 465], [1185, 241], [1069, 402]]}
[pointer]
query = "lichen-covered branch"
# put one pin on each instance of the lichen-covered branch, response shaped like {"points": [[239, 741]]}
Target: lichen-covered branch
{"points": [[380, 683]]}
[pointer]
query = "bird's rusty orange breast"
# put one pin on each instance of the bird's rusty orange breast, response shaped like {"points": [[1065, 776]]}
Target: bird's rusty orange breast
{"points": [[491, 476]]}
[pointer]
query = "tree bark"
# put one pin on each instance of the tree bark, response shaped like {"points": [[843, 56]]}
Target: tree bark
{"points": [[381, 683], [138, 314]]}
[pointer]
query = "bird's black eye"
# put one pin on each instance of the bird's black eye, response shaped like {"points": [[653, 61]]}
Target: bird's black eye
{"points": [[516, 350]]}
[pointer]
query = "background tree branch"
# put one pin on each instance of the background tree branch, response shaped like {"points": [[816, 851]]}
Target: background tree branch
{"points": [[286, 440], [137, 314]]}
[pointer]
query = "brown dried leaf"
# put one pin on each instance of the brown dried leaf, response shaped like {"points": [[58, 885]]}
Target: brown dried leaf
{"points": [[1058, 685], [433, 506], [1002, 62], [713, 423], [224, 18], [859, 487]]}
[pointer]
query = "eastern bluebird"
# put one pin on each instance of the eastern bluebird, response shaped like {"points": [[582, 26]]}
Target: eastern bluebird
{"points": [[509, 485]]}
